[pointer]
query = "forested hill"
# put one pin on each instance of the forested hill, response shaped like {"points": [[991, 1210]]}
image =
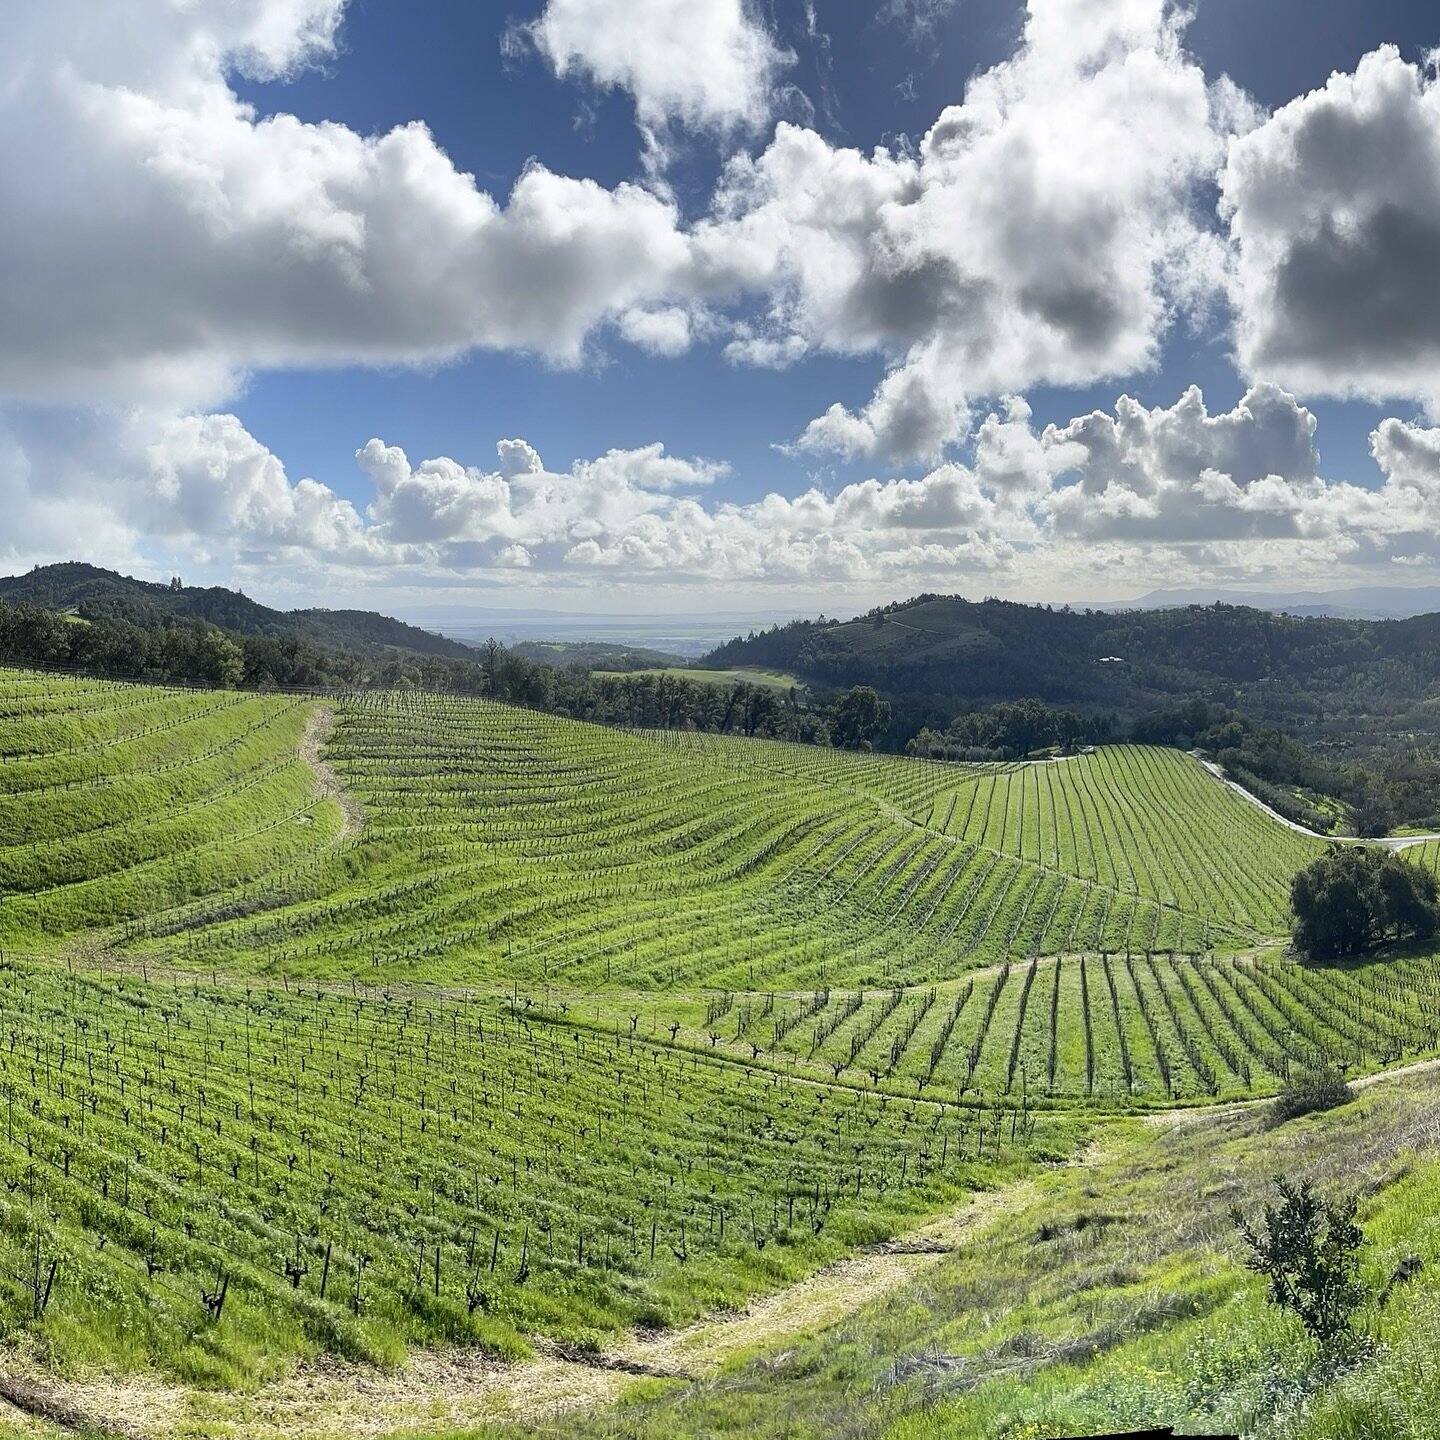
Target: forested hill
{"points": [[96, 594], [1280, 667]]}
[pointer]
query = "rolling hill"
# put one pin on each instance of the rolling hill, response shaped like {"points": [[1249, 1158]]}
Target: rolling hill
{"points": [[407, 1022], [1347, 680], [92, 593]]}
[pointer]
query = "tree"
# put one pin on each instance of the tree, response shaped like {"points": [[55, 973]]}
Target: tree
{"points": [[218, 659], [1069, 728], [1309, 1250], [1355, 897], [1023, 726], [859, 717], [1372, 814], [491, 664]]}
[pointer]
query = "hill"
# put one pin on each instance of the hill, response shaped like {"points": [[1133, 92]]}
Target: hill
{"points": [[93, 593], [405, 1020], [612, 655], [1349, 683]]}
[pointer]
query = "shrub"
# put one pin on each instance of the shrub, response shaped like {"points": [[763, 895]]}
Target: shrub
{"points": [[1356, 897], [1309, 1250], [1314, 1088]]}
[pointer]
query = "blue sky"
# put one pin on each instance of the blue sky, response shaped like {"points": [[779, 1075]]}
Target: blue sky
{"points": [[791, 305], [492, 116], [887, 78]]}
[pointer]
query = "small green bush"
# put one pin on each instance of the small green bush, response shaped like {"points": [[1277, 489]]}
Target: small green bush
{"points": [[1314, 1088], [1309, 1250]]}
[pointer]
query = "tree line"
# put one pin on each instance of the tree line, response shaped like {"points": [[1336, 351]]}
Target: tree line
{"points": [[194, 651]]}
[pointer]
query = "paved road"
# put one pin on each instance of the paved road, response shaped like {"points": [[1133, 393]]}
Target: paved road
{"points": [[1388, 842]]}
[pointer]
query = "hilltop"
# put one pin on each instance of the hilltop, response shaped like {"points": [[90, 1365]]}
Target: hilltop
{"points": [[95, 594], [1326, 676]]}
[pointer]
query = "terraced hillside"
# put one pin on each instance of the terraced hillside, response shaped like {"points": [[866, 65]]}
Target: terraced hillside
{"points": [[1139, 819], [403, 1019], [505, 845], [117, 802]]}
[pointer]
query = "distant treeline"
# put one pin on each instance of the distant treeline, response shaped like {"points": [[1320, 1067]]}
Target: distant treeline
{"points": [[982, 652], [196, 652], [1013, 730]]}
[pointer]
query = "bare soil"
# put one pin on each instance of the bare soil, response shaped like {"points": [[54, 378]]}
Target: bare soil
{"points": [[327, 783]]}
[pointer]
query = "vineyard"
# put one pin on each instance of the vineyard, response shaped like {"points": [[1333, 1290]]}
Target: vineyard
{"points": [[325, 1170], [352, 1024], [1140, 820], [1094, 1027], [504, 846], [117, 802]]}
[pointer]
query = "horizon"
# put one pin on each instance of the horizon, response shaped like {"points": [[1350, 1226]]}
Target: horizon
{"points": [[692, 634]]}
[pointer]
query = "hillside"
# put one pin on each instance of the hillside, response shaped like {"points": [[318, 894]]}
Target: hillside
{"points": [[594, 654], [412, 1022], [92, 593], [1108, 1299], [1345, 681]]}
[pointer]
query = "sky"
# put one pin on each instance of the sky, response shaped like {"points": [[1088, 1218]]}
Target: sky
{"points": [[744, 306]]}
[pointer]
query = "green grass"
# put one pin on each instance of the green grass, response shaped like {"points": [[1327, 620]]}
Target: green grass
{"points": [[770, 679], [1111, 1298], [567, 989], [117, 802]]}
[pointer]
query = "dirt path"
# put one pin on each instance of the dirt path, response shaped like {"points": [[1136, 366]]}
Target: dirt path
{"points": [[1417, 1067], [456, 1389], [439, 1389], [327, 782], [1173, 1119], [826, 1297]]}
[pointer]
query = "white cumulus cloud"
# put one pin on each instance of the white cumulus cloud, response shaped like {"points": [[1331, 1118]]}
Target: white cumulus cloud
{"points": [[1044, 232], [159, 238], [1334, 207], [1166, 493], [707, 64]]}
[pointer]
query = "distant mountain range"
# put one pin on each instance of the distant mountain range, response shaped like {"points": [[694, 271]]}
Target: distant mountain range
{"points": [[1366, 602], [1324, 675], [94, 594]]}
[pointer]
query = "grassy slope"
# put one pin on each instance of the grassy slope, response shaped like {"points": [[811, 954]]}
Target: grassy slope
{"points": [[454, 1171], [769, 944], [117, 802], [1113, 1299], [504, 845], [201, 1130]]}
